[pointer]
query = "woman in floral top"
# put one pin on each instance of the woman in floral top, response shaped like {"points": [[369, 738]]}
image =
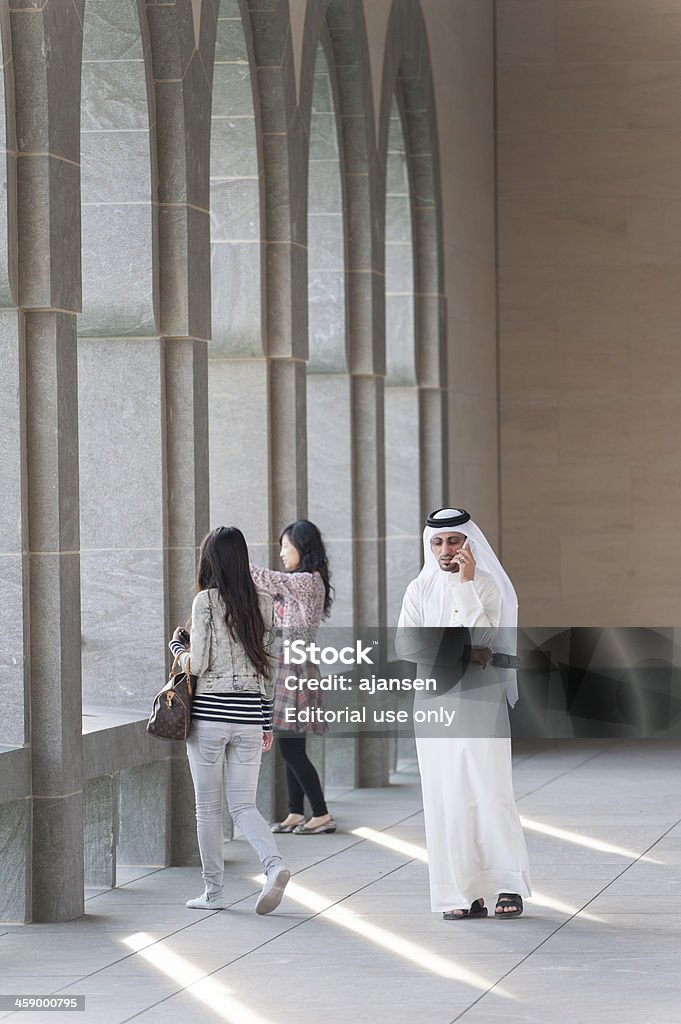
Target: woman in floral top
{"points": [[302, 598]]}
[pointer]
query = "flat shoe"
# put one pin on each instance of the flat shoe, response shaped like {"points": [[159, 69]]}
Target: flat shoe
{"points": [[206, 902], [478, 909], [279, 826], [303, 830], [272, 891]]}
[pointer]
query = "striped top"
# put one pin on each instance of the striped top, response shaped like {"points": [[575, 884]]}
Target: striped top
{"points": [[241, 708]]}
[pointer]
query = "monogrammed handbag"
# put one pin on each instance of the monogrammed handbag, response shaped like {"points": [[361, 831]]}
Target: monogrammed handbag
{"points": [[171, 714]]}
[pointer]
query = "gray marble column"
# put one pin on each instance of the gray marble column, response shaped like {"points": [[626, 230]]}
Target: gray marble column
{"points": [[329, 432], [184, 847], [182, 52], [408, 85], [362, 761], [341, 762], [369, 490], [404, 518], [415, 397], [288, 442], [288, 476], [54, 608], [13, 530], [433, 446], [270, 800], [240, 422], [13, 541], [329, 425], [47, 222]]}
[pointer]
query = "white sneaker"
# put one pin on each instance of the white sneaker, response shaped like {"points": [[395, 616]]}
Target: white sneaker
{"points": [[206, 902], [272, 891]]}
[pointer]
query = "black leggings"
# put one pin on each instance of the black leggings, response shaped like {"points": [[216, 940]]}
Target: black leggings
{"points": [[302, 779]]}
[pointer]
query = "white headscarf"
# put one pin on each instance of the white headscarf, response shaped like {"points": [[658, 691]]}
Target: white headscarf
{"points": [[486, 561]]}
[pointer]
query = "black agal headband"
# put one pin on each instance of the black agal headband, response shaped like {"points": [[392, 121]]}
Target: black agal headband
{"points": [[439, 523]]}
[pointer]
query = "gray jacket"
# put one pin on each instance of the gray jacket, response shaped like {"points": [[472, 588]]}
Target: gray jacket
{"points": [[218, 660]]}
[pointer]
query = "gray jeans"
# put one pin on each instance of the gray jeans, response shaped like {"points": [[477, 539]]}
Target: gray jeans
{"points": [[209, 746]]}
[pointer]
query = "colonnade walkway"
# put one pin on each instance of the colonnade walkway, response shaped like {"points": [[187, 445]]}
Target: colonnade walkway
{"points": [[354, 939]]}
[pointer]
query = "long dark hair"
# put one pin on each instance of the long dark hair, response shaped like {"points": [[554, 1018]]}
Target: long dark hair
{"points": [[307, 540], [223, 564]]}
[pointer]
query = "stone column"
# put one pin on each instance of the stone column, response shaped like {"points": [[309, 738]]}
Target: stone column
{"points": [[261, 324], [366, 343], [402, 407], [15, 814], [365, 307], [430, 304], [48, 228], [13, 530], [54, 608], [329, 426], [409, 96], [369, 516], [13, 524], [182, 53]]}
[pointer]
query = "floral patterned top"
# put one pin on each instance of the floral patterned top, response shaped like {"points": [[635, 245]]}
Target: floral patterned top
{"points": [[299, 607], [299, 599]]}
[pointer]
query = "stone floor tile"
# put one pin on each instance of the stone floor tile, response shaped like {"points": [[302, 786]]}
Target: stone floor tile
{"points": [[579, 951]]}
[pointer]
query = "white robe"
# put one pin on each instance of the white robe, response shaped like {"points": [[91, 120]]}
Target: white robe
{"points": [[474, 838]]}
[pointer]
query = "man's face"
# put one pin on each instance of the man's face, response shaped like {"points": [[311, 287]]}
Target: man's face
{"points": [[445, 546]]}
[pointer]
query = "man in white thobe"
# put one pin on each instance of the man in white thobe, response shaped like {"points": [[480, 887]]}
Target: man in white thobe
{"points": [[475, 842]]}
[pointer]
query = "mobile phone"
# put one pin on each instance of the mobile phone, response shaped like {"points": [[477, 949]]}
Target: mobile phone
{"points": [[184, 637]]}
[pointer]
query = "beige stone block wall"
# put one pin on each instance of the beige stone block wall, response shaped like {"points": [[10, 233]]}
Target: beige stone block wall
{"points": [[589, 278], [460, 38]]}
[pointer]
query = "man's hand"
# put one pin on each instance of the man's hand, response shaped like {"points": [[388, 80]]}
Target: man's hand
{"points": [[467, 564], [266, 741], [479, 655]]}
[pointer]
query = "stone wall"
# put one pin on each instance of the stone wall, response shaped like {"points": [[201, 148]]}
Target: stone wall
{"points": [[589, 197]]}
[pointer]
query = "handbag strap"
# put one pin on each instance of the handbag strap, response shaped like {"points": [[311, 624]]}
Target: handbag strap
{"points": [[188, 626], [187, 668]]}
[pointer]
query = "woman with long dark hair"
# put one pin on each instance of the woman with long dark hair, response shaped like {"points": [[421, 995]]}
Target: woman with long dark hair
{"points": [[302, 598], [232, 634]]}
